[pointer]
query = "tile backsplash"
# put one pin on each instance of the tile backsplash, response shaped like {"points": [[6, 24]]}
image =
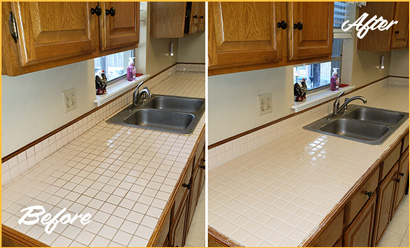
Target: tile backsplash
{"points": [[236, 147], [32, 155]]}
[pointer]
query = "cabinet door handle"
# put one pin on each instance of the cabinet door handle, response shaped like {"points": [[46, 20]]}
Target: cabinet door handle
{"points": [[401, 174], [110, 12], [202, 17], [298, 25], [188, 186], [397, 180], [396, 32], [282, 25], [195, 16], [13, 27], [202, 166], [368, 193], [96, 11]]}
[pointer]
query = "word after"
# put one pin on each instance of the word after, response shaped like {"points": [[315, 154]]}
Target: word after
{"points": [[372, 24]]}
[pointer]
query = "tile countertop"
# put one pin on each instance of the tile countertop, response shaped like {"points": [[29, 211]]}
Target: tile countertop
{"points": [[279, 193], [123, 176]]}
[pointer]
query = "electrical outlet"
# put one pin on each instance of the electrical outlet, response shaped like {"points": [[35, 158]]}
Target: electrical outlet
{"points": [[70, 99], [265, 103]]}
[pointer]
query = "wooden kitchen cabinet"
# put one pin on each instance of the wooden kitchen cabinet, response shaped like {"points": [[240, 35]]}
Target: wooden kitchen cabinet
{"points": [[332, 235], [121, 24], [360, 232], [256, 35], [174, 19], [401, 179], [201, 26], [311, 31], [392, 39], [51, 34], [384, 204], [178, 227]]}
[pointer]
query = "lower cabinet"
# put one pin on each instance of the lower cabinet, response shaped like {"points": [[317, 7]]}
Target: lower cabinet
{"points": [[360, 232], [174, 232], [369, 209]]}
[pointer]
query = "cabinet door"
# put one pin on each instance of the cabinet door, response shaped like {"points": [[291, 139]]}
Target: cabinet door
{"points": [[384, 204], [360, 232], [51, 31], [401, 179], [244, 33], [313, 34], [194, 18], [167, 20], [122, 28], [201, 26], [178, 226], [400, 34]]}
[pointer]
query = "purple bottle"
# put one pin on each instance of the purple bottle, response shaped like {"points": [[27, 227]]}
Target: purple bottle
{"points": [[130, 69]]}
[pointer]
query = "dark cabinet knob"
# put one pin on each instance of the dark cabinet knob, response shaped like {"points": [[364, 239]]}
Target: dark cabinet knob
{"points": [[282, 25], [298, 25], [368, 193], [202, 17], [397, 180], [396, 32], [96, 11], [401, 174], [110, 12], [188, 186], [202, 166], [195, 16]]}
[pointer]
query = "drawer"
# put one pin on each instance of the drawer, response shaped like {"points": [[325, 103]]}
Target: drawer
{"points": [[360, 197], [179, 198], [331, 233], [405, 143], [391, 160]]}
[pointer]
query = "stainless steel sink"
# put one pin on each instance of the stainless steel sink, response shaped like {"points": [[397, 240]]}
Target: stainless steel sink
{"points": [[359, 123], [380, 116], [163, 113], [356, 129]]}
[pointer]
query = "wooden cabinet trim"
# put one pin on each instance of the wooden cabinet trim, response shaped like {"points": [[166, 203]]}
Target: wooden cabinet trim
{"points": [[16, 236], [221, 239]]}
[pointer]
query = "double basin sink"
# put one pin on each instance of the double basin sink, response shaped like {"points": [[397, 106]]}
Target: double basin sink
{"points": [[359, 123], [163, 113]]}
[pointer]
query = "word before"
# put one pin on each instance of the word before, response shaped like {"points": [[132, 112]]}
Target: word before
{"points": [[32, 217], [372, 24]]}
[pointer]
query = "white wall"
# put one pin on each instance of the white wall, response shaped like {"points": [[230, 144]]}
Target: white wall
{"points": [[233, 104], [33, 105], [191, 49], [399, 65]]}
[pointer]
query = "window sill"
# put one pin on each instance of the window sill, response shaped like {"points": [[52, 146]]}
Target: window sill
{"points": [[318, 97], [118, 88]]}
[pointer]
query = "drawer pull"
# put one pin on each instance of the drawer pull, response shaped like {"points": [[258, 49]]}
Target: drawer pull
{"points": [[188, 186], [397, 180], [401, 174], [368, 193]]}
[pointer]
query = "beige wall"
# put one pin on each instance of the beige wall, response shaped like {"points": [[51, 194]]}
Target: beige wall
{"points": [[32, 104], [191, 49], [399, 65], [233, 100]]}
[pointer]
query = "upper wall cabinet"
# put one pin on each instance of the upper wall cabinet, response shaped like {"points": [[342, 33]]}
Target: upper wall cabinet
{"points": [[244, 33], [251, 36], [394, 38], [176, 20], [312, 31], [42, 35], [120, 27]]}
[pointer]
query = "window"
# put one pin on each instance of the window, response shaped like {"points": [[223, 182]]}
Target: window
{"points": [[114, 65], [318, 74]]}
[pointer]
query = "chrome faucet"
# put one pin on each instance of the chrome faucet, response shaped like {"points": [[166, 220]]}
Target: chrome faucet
{"points": [[337, 109], [138, 95]]}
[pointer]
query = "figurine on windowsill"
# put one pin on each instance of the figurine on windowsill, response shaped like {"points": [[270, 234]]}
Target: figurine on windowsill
{"points": [[300, 91], [101, 83]]}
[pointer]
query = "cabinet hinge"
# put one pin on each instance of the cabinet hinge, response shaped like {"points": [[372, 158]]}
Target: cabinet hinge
{"points": [[13, 27]]}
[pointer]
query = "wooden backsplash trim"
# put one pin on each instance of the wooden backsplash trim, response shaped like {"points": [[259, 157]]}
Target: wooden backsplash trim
{"points": [[48, 135], [289, 116]]}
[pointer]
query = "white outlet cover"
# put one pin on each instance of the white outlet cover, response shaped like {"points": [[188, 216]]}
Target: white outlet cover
{"points": [[69, 100], [265, 103]]}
